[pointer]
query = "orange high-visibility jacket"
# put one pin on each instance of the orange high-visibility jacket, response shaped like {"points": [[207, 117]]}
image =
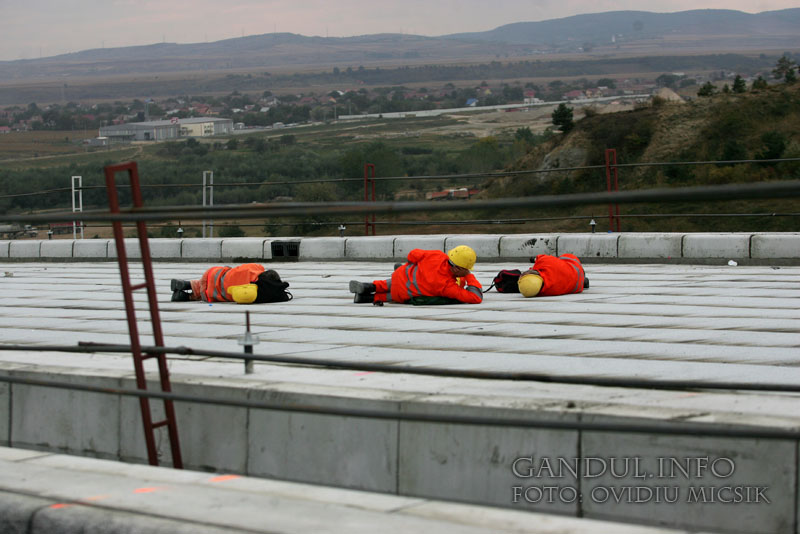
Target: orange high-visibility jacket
{"points": [[428, 273], [560, 275], [216, 281]]}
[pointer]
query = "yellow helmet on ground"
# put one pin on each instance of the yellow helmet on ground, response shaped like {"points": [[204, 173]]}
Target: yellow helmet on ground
{"points": [[462, 256], [243, 294], [530, 285]]}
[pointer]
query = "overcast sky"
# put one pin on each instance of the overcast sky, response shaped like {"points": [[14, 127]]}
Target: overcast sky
{"points": [[39, 28]]}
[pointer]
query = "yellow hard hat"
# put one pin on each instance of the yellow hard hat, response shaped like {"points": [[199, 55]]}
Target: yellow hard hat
{"points": [[462, 256], [530, 285], [243, 294]]}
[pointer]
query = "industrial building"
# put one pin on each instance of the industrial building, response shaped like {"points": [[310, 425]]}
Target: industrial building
{"points": [[167, 129]]}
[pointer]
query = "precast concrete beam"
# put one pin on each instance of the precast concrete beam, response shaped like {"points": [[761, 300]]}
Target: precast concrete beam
{"points": [[487, 247], [369, 247], [775, 246], [90, 248], [523, 247], [589, 245], [25, 249], [405, 244], [650, 245], [322, 248], [732, 246], [251, 248]]}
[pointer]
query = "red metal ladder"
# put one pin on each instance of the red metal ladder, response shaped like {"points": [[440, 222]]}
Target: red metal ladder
{"points": [[130, 311]]}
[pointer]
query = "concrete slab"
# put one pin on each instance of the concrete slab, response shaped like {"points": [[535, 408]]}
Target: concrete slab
{"points": [[369, 247], [732, 246], [4, 246], [589, 245], [250, 249], [91, 248], [775, 245], [655, 245], [524, 246], [650, 321]]}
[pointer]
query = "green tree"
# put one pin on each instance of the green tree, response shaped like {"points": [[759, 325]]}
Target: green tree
{"points": [[524, 134], [739, 85], [759, 84], [707, 89], [774, 145], [562, 118], [784, 70]]}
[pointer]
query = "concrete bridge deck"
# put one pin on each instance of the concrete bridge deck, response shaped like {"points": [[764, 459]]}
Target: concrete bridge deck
{"points": [[650, 321]]}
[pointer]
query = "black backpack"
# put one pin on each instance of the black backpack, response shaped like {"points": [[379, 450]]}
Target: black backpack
{"points": [[506, 281], [271, 288]]}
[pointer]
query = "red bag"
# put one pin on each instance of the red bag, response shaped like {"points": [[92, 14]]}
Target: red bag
{"points": [[506, 281]]}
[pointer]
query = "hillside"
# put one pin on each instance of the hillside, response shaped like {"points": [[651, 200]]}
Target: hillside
{"points": [[725, 127], [614, 33]]}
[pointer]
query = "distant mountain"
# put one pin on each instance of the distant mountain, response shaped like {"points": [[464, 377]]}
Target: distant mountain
{"points": [[607, 34], [632, 26]]}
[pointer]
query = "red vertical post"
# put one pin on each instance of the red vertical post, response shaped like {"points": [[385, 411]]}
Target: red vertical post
{"points": [[611, 172], [369, 175]]}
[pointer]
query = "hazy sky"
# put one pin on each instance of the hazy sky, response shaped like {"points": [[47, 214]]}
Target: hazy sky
{"points": [[39, 28]]}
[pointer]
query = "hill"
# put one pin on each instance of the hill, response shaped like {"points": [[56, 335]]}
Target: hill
{"points": [[725, 127], [610, 33]]}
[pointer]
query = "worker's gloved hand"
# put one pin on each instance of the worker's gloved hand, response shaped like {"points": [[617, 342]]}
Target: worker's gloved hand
{"points": [[476, 290]]}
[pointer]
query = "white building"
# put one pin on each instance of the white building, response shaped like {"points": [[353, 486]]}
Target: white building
{"points": [[167, 129]]}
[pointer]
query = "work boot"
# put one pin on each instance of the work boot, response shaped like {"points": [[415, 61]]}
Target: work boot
{"points": [[180, 285], [585, 283], [361, 287], [180, 296], [363, 298]]}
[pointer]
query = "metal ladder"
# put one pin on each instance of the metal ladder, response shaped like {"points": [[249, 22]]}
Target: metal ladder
{"points": [[127, 292]]}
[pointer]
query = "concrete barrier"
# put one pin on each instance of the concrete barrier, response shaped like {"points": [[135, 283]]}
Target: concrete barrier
{"points": [[90, 248], [775, 246], [24, 249], [405, 244], [487, 247], [322, 248], [201, 249], [369, 247], [522, 247], [246, 247], [664, 245], [61, 248], [731, 246], [589, 245], [635, 246]]}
